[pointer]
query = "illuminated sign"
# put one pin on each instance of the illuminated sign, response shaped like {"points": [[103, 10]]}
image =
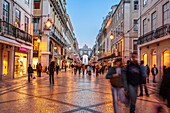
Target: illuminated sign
{"points": [[22, 49]]}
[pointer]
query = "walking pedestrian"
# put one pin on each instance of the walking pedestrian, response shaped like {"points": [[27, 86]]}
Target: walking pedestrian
{"points": [[57, 68], [75, 69], [165, 87], [83, 68], [72, 67], [89, 70], [51, 71], [65, 67], [143, 81], [154, 72], [79, 68], [117, 76], [30, 71], [97, 70], [39, 69], [134, 77], [147, 72]]}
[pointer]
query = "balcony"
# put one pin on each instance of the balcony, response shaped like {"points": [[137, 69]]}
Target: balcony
{"points": [[8, 29], [158, 33], [58, 40]]}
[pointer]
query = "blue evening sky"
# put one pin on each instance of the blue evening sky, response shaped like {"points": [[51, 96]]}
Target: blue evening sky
{"points": [[86, 17]]}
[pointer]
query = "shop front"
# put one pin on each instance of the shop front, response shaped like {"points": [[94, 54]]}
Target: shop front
{"points": [[21, 62]]}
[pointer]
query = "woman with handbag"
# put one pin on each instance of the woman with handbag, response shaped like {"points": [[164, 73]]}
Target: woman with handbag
{"points": [[117, 76], [51, 71]]}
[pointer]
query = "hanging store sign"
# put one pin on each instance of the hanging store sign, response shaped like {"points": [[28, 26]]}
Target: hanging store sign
{"points": [[22, 49]]}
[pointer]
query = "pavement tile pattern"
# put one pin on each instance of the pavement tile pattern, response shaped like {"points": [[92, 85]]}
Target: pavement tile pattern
{"points": [[70, 94]]}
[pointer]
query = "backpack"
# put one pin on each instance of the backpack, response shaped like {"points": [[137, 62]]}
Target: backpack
{"points": [[39, 67]]}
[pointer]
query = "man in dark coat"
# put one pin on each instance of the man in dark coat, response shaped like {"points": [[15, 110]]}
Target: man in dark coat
{"points": [[154, 72]]}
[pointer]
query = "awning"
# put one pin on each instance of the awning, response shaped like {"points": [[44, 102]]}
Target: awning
{"points": [[9, 41]]}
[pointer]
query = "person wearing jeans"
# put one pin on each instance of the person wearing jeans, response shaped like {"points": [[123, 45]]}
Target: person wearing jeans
{"points": [[117, 76], [134, 77], [51, 70]]}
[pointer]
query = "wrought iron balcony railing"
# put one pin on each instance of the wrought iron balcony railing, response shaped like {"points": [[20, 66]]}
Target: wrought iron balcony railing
{"points": [[155, 34], [9, 29]]}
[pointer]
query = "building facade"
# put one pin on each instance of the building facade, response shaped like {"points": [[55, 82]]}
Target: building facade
{"points": [[54, 42], [154, 33], [15, 38], [121, 23]]}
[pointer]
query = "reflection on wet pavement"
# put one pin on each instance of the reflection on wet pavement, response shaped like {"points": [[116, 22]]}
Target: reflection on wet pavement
{"points": [[70, 93]]}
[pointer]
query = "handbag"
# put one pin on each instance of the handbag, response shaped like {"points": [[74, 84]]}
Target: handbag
{"points": [[110, 73]]}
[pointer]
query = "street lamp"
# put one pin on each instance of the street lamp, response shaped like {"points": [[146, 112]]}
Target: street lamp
{"points": [[69, 48], [111, 36], [98, 51], [55, 47], [48, 23], [38, 40]]}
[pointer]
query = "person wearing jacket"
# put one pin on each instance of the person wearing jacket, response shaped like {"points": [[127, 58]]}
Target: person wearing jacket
{"points": [[57, 68], [83, 68], [117, 76], [30, 71], [143, 81], [154, 72], [134, 77], [39, 69], [51, 71]]}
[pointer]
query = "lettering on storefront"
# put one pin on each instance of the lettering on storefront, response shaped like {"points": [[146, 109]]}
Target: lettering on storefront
{"points": [[22, 49]]}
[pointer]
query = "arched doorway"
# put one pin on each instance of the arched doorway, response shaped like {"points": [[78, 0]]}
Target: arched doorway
{"points": [[144, 57], [166, 58], [154, 58]]}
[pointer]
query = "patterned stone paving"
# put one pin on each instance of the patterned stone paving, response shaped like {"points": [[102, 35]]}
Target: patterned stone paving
{"points": [[70, 94]]}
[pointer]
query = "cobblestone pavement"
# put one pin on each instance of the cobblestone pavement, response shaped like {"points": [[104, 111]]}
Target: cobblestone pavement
{"points": [[70, 93]]}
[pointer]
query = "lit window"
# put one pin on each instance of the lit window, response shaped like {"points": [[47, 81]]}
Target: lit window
{"points": [[18, 17]]}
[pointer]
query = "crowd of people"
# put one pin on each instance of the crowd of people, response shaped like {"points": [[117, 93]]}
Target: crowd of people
{"points": [[124, 79]]}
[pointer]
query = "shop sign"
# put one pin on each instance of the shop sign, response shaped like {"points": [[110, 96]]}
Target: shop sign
{"points": [[22, 49]]}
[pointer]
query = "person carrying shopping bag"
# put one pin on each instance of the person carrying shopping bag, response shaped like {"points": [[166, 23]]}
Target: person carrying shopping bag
{"points": [[117, 76]]}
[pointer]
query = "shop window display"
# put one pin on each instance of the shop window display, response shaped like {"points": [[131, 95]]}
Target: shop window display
{"points": [[20, 64]]}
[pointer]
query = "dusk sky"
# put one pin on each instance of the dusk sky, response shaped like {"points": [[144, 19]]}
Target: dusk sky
{"points": [[87, 17]]}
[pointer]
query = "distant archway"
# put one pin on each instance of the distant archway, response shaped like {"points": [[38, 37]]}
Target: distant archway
{"points": [[85, 59]]}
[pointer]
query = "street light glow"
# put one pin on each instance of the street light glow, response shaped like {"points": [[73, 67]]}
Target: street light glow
{"points": [[38, 40], [48, 24], [111, 36]]}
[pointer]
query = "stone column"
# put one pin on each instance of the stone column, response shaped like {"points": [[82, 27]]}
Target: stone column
{"points": [[11, 62], [1, 61]]}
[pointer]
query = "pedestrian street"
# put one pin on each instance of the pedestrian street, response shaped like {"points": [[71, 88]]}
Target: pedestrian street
{"points": [[69, 94]]}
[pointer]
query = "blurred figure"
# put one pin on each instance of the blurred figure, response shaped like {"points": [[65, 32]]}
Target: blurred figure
{"points": [[51, 71], [89, 70], [83, 68], [165, 86], [117, 76], [154, 72], [30, 71], [147, 72], [109, 67], [65, 67], [39, 69], [94, 68], [72, 67], [143, 81], [57, 68], [97, 70], [79, 67], [75, 69], [134, 77]]}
